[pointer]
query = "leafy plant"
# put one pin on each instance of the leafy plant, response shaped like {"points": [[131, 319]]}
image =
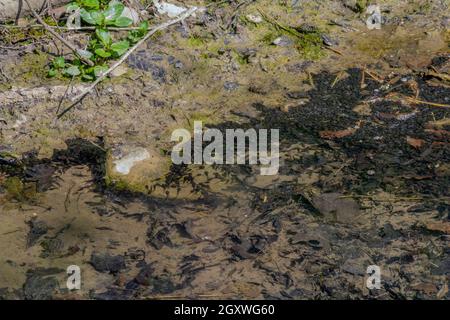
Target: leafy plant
{"points": [[361, 6], [57, 64], [102, 47]]}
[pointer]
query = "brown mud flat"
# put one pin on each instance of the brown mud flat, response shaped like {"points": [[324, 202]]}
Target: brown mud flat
{"points": [[364, 175]]}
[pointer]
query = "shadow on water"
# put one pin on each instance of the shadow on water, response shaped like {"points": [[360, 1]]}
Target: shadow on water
{"points": [[375, 142]]}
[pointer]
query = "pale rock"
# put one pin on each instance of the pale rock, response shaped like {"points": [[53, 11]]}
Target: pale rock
{"points": [[124, 164]]}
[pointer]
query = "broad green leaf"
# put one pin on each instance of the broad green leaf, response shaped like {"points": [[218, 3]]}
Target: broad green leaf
{"points": [[102, 53], [123, 22], [59, 62], [73, 71], [51, 73], [143, 27], [91, 4], [104, 36], [99, 70], [85, 54], [86, 16], [120, 47], [98, 17], [72, 7], [113, 11]]}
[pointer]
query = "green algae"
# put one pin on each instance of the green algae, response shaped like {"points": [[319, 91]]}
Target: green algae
{"points": [[18, 190]]}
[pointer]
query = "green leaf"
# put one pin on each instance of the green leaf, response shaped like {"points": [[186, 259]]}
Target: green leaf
{"points": [[103, 53], [113, 11], [104, 37], [120, 47], [91, 4], [73, 71], [72, 7], [132, 38], [85, 54], [86, 16], [98, 17], [51, 73], [143, 27], [87, 77], [99, 70], [123, 22], [59, 62], [93, 43]]}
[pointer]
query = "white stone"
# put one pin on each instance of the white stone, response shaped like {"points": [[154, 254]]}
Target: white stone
{"points": [[128, 161], [167, 8]]}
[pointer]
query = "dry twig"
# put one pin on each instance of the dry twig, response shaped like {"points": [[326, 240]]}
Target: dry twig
{"points": [[59, 37], [433, 104]]}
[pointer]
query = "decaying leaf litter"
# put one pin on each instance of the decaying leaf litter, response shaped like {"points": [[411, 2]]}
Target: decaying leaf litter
{"points": [[364, 154]]}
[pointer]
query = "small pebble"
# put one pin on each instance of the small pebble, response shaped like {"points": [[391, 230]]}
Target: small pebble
{"points": [[282, 41], [254, 18], [230, 86]]}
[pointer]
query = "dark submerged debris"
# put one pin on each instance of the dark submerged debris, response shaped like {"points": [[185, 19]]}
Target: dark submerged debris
{"points": [[107, 263], [38, 228]]}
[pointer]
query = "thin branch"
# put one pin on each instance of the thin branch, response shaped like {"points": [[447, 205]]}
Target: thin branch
{"points": [[65, 94], [19, 12], [160, 27], [56, 35], [433, 104]]}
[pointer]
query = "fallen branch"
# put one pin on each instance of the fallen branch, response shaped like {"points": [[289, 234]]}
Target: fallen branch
{"points": [[396, 97], [395, 199], [373, 76], [56, 35], [433, 104], [160, 27], [19, 11], [440, 76], [333, 50]]}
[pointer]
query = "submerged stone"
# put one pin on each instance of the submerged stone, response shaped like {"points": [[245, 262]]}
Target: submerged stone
{"points": [[37, 229], [283, 41], [135, 169], [333, 207], [39, 287], [124, 164], [107, 263]]}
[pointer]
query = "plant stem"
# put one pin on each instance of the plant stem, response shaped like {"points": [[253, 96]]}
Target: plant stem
{"points": [[59, 37]]}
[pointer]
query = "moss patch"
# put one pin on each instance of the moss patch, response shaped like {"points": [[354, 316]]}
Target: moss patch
{"points": [[18, 190]]}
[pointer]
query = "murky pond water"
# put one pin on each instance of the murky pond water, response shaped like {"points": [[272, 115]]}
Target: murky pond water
{"points": [[345, 199]]}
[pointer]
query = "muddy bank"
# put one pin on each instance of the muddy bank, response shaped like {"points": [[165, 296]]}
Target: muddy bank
{"points": [[11, 9]]}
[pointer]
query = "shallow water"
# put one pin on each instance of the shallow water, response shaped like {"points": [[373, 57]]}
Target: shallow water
{"points": [[310, 232]]}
